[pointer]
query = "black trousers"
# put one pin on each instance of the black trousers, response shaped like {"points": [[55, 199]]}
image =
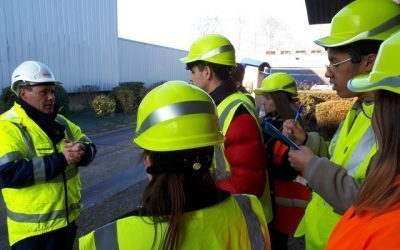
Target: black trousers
{"points": [[279, 241], [62, 239]]}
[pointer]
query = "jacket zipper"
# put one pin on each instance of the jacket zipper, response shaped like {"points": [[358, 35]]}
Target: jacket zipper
{"points": [[65, 189]]}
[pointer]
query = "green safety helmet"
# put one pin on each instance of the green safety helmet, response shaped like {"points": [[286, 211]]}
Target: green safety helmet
{"points": [[212, 48], [363, 20], [177, 116], [277, 81], [386, 71]]}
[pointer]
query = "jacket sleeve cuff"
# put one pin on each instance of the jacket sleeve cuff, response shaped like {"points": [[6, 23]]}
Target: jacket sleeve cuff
{"points": [[90, 151], [54, 165]]}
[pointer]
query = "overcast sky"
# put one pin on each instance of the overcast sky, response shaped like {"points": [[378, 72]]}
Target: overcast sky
{"points": [[177, 23]]}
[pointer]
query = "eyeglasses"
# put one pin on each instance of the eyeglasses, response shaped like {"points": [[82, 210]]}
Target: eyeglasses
{"points": [[328, 66]]}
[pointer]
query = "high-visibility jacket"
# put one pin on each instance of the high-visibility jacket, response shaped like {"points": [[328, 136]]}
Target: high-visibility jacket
{"points": [[48, 204], [368, 230], [291, 197], [226, 111], [352, 147], [235, 223]]}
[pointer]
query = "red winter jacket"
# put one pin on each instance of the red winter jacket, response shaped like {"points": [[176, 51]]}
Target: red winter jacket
{"points": [[245, 153]]}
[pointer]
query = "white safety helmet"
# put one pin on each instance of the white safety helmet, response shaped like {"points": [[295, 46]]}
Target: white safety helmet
{"points": [[31, 73]]}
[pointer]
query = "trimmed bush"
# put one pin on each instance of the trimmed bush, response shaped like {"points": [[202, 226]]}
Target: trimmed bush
{"points": [[7, 99], [103, 105], [62, 99], [150, 88], [137, 88], [330, 114], [125, 98], [88, 92], [311, 98]]}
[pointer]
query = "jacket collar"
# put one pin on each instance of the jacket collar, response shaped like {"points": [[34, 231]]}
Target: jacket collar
{"points": [[225, 89]]}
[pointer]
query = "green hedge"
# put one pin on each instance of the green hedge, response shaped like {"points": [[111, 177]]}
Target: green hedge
{"points": [[330, 114], [125, 98], [138, 90], [323, 110]]}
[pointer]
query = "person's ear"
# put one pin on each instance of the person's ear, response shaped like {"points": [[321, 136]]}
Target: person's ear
{"points": [[368, 62], [147, 161], [208, 72], [22, 94]]}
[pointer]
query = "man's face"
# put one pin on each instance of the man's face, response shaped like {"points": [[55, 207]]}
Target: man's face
{"points": [[198, 78], [341, 73], [40, 97]]}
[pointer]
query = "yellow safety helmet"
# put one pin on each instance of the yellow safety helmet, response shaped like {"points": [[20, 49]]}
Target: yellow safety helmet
{"points": [[212, 48], [386, 71], [277, 81], [363, 20], [177, 116]]}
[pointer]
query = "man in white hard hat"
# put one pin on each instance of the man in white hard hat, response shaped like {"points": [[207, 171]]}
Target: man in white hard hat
{"points": [[40, 152]]}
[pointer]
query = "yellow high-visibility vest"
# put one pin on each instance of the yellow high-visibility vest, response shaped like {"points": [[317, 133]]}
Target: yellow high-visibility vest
{"points": [[46, 205], [235, 223], [352, 147], [226, 111]]}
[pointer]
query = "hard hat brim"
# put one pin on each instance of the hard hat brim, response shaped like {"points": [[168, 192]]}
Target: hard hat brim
{"points": [[364, 84], [14, 86], [260, 91], [208, 140], [186, 60], [359, 84], [45, 83], [330, 41]]}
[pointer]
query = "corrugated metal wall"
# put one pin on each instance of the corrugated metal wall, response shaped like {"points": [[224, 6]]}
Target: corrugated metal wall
{"points": [[149, 63], [77, 39]]}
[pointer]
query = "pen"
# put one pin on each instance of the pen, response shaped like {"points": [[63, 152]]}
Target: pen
{"points": [[298, 113]]}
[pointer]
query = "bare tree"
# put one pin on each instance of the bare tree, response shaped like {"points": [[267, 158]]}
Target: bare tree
{"points": [[274, 31], [240, 25], [207, 25]]}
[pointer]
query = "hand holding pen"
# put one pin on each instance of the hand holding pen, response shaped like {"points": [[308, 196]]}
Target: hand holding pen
{"points": [[293, 130], [298, 114]]}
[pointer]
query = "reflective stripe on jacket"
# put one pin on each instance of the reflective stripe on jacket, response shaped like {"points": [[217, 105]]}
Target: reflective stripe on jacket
{"points": [[46, 205], [226, 111], [352, 147], [235, 223], [291, 197]]}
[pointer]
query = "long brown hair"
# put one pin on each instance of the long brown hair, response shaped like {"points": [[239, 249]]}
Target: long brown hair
{"points": [[286, 104], [168, 195], [380, 189]]}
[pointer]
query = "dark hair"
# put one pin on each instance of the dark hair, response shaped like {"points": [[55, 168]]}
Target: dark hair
{"points": [[237, 73], [359, 49], [169, 195], [263, 65], [380, 190], [286, 104], [222, 72], [23, 85]]}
